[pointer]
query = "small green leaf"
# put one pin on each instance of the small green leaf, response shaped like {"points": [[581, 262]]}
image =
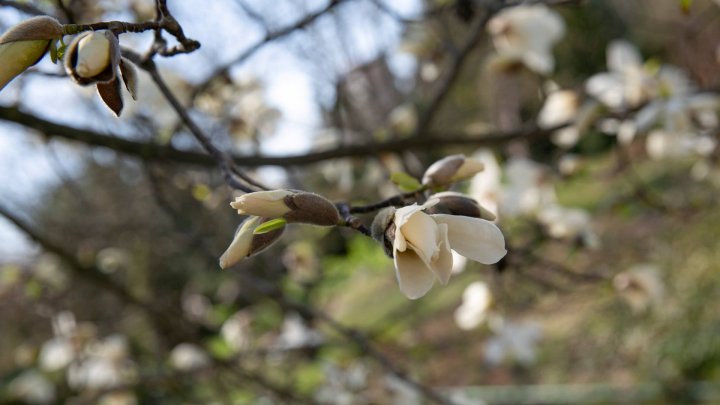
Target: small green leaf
{"points": [[405, 181], [53, 51], [270, 225], [60, 50], [685, 6]]}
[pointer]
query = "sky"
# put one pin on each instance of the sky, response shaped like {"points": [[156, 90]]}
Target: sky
{"points": [[29, 164]]}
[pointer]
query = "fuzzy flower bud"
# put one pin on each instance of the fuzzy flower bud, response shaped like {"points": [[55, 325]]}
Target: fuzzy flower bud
{"points": [[293, 206], [383, 229], [451, 169], [25, 44], [93, 57], [246, 243], [452, 203]]}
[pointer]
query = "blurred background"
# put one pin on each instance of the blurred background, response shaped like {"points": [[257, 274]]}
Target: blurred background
{"points": [[110, 289]]}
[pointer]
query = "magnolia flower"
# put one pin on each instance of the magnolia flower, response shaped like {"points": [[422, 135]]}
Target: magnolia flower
{"points": [[187, 356], [563, 107], [56, 354], [293, 206], [527, 189], [568, 223], [246, 243], [641, 286], [527, 34], [94, 58], [403, 119], [513, 340], [421, 244], [451, 169], [627, 84], [485, 186], [33, 388], [25, 44], [295, 334], [475, 305]]}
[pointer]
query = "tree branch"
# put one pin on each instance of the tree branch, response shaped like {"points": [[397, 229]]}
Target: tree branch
{"points": [[156, 152]]}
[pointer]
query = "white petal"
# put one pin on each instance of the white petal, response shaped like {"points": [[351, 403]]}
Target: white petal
{"points": [[421, 233], [93, 54], [474, 238], [442, 265], [240, 246], [268, 204], [414, 277], [608, 88], [622, 55]]}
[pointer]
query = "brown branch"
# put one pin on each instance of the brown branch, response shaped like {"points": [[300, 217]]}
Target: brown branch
{"points": [[156, 152]]}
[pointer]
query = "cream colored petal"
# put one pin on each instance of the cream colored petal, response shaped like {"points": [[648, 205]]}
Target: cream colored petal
{"points": [[93, 54], [442, 265], [413, 276], [622, 55], [268, 204], [240, 246], [474, 238], [421, 233]]}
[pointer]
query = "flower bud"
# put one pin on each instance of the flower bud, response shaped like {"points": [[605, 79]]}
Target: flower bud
{"points": [[25, 44], [93, 57], [451, 169], [383, 229], [246, 243], [293, 206], [452, 203], [268, 204]]}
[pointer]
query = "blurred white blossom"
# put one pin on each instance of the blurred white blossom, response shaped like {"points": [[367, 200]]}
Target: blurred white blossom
{"points": [[513, 341], [485, 186], [32, 387], [473, 310], [569, 224], [527, 34], [627, 83], [56, 354], [527, 189], [641, 286], [187, 356], [295, 333]]}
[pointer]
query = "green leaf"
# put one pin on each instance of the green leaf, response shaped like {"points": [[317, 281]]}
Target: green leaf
{"points": [[270, 225], [60, 50], [685, 5], [53, 51], [405, 181]]}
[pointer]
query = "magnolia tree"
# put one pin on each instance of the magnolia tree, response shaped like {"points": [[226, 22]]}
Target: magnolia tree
{"points": [[470, 137]]}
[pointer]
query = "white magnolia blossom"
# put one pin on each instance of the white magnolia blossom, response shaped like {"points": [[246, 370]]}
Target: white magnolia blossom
{"points": [[93, 54], [236, 331], [527, 34], [343, 386], [568, 223], [485, 186], [187, 356], [295, 334], [422, 244], [560, 107], [33, 388], [627, 83], [56, 354], [268, 204], [242, 241], [514, 341], [527, 189], [641, 286], [104, 363], [403, 119], [476, 302]]}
